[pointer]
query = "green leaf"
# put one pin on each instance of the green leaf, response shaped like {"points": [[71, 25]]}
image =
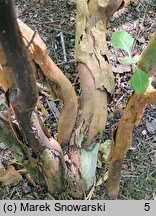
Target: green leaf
{"points": [[135, 59], [126, 60], [122, 40], [139, 81]]}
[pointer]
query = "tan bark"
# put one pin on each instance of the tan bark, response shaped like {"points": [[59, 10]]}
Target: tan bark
{"points": [[96, 80], [122, 135], [95, 73], [42, 155], [64, 89]]}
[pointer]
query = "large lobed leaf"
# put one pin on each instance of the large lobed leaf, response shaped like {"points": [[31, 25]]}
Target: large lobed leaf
{"points": [[122, 40]]}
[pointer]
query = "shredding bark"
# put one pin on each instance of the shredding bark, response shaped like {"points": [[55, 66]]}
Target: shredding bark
{"points": [[122, 134]]}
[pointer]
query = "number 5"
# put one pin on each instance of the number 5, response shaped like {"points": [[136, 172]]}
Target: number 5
{"points": [[147, 207]]}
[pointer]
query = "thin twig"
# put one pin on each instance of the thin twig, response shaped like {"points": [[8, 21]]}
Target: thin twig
{"points": [[68, 62], [3, 118], [53, 108], [119, 100], [63, 46], [64, 31], [91, 192], [31, 39]]}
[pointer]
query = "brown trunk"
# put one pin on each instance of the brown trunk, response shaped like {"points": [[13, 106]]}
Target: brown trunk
{"points": [[63, 87], [21, 93], [122, 135], [96, 80]]}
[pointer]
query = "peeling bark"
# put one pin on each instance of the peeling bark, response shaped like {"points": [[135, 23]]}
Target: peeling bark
{"points": [[21, 97], [122, 135], [95, 73], [19, 150], [93, 111], [64, 89], [90, 46], [96, 80], [94, 69], [44, 156]]}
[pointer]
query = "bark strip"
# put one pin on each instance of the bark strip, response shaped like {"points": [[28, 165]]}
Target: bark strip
{"points": [[64, 89]]}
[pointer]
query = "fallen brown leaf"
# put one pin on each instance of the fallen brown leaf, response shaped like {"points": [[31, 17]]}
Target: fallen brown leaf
{"points": [[141, 40], [121, 69], [9, 176]]}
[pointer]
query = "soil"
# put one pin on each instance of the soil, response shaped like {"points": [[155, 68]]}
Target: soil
{"points": [[49, 18]]}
